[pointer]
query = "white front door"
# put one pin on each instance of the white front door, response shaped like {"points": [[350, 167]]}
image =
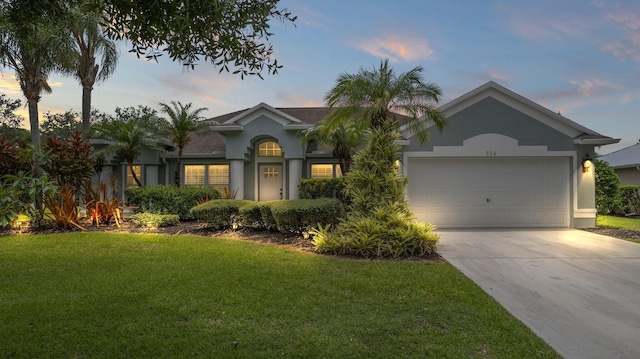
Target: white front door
{"points": [[270, 182]]}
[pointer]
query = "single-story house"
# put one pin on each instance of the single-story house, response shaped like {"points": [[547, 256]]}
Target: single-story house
{"points": [[626, 164], [503, 161]]}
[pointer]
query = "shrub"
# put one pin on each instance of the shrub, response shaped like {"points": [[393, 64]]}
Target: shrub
{"points": [[268, 222], [154, 220], [380, 223], [302, 214], [219, 213], [250, 215], [311, 188], [606, 186], [388, 232], [163, 199], [628, 199]]}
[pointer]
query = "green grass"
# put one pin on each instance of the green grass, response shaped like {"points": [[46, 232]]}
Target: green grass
{"points": [[99, 295], [632, 224], [618, 222]]}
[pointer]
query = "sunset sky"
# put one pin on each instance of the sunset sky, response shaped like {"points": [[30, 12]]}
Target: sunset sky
{"points": [[577, 57]]}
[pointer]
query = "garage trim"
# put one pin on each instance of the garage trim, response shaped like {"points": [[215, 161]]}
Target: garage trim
{"points": [[492, 145]]}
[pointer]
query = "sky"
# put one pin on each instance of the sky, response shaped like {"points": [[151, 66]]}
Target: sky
{"points": [[577, 57]]}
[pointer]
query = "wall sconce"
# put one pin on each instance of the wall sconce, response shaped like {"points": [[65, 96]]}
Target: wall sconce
{"points": [[586, 163]]}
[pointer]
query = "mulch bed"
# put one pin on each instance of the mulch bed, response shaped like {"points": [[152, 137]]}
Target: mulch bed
{"points": [[290, 240], [615, 232]]}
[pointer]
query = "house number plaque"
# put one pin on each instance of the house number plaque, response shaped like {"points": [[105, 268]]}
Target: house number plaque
{"points": [[491, 153]]}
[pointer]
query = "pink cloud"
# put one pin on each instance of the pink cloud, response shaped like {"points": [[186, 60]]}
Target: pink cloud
{"points": [[396, 48]]}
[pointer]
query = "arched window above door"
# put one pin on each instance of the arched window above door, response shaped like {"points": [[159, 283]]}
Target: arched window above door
{"points": [[269, 149]]}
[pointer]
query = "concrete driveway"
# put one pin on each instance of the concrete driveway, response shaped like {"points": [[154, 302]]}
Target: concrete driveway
{"points": [[578, 291]]}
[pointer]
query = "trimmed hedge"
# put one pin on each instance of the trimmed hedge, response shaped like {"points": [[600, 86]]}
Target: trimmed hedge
{"points": [[153, 220], [220, 213], [312, 188], [285, 215], [163, 199], [303, 214]]}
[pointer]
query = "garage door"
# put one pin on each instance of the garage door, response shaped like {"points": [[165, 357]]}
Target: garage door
{"points": [[521, 192]]}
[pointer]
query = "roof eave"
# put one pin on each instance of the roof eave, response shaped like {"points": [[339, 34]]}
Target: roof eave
{"points": [[595, 141]]}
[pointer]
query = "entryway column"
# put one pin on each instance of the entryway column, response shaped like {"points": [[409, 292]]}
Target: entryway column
{"points": [[295, 174], [236, 178]]}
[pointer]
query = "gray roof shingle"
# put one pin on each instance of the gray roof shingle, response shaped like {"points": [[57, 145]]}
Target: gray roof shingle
{"points": [[626, 157]]}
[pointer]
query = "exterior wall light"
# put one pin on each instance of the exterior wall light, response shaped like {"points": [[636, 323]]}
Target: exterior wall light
{"points": [[586, 164]]}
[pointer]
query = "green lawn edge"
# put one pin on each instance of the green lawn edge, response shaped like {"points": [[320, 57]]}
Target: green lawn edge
{"points": [[102, 295]]}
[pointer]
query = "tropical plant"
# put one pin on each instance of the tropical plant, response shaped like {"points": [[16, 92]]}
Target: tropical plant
{"points": [[182, 123], [380, 222], [70, 162], [131, 131], [33, 50], [8, 115], [343, 138], [91, 43], [380, 99]]}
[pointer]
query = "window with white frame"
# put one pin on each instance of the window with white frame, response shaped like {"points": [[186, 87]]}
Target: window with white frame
{"points": [[207, 175], [131, 182], [194, 175], [219, 176], [269, 149], [325, 170]]}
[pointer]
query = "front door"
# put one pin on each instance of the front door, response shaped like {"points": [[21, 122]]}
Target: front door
{"points": [[270, 182]]}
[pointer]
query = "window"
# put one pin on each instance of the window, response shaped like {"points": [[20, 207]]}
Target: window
{"points": [[269, 149], [325, 170], [322, 171], [207, 175], [270, 172], [219, 176], [194, 175], [131, 183]]}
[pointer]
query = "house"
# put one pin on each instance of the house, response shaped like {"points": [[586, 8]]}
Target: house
{"points": [[626, 164], [503, 161]]}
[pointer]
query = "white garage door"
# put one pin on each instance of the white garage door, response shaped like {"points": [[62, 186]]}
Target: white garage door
{"points": [[521, 192]]}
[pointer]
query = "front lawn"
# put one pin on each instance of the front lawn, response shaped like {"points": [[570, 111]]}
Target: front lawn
{"points": [[627, 223], [82, 295]]}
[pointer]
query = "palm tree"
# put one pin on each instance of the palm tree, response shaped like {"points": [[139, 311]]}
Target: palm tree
{"points": [[128, 134], [343, 139], [378, 98], [91, 42], [33, 51], [182, 122]]}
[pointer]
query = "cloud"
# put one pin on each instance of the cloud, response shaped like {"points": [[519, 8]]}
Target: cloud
{"points": [[532, 24], [202, 87], [590, 87], [9, 84], [297, 101], [628, 19], [396, 47], [498, 75]]}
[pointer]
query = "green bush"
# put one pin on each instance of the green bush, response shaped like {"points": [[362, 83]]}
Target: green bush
{"points": [[311, 188], [220, 213], [387, 232], [250, 215], [268, 222], [628, 199], [302, 214], [163, 199], [606, 186], [154, 220]]}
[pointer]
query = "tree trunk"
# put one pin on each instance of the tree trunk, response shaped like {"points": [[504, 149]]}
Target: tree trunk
{"points": [[177, 176], [86, 109], [34, 121], [133, 173]]}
